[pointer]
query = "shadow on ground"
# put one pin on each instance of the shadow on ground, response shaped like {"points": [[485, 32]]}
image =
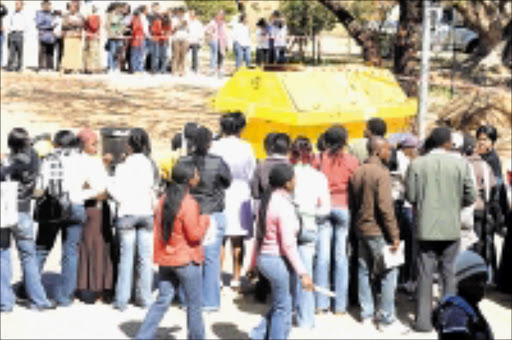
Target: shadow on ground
{"points": [[227, 330], [131, 328]]}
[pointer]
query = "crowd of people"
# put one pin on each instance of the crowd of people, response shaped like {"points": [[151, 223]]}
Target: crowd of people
{"points": [[153, 39], [309, 219]]}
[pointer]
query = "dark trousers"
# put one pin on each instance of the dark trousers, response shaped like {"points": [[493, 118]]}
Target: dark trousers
{"points": [[430, 254], [195, 56], [261, 56], [484, 229], [45, 56], [59, 50], [15, 42]]}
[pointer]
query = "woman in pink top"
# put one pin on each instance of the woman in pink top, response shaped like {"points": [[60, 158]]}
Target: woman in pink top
{"points": [[338, 166], [276, 252], [216, 35]]}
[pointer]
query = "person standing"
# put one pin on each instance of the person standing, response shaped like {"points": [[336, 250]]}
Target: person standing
{"points": [[242, 42], [22, 166], [92, 42], [313, 200], [458, 316], [133, 187], [125, 50], [114, 26], [59, 40], [438, 185], [338, 166], [73, 25], [180, 29], [3, 13], [62, 176], [179, 230], [371, 205], [239, 157], [45, 26], [151, 47], [138, 41], [195, 38], [276, 253], [263, 41], [95, 265], [17, 28], [216, 35], [280, 40], [210, 193]]}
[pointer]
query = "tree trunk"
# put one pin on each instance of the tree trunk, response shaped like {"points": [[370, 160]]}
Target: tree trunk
{"points": [[364, 37], [407, 44]]}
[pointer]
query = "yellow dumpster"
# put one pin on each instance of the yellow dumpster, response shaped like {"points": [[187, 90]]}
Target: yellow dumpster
{"points": [[306, 102]]}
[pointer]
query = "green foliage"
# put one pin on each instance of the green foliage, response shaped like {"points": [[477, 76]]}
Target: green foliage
{"points": [[304, 16], [206, 10], [370, 10]]}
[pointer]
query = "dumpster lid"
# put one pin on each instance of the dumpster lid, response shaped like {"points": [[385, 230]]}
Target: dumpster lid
{"points": [[115, 132]]}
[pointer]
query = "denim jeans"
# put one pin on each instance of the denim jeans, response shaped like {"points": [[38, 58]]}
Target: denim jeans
{"points": [[7, 298], [163, 56], [137, 57], [304, 302], [216, 58], [242, 54], [71, 236], [211, 266], [277, 324], [114, 46], [337, 232], [195, 56], [24, 236], [280, 55], [135, 232], [370, 253], [170, 278]]}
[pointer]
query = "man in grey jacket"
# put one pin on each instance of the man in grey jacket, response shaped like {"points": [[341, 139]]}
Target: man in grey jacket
{"points": [[439, 185]]}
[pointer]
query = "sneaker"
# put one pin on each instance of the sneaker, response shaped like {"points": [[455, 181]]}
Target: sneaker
{"points": [[395, 327]]}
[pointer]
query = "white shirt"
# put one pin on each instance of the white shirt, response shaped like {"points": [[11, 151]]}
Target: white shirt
{"points": [[57, 21], [145, 25], [96, 176], [179, 34], [262, 38], [398, 177], [195, 32], [76, 172], [241, 34], [18, 22], [133, 186], [280, 35], [311, 194]]}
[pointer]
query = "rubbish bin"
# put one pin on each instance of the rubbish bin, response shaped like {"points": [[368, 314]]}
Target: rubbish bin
{"points": [[114, 141]]}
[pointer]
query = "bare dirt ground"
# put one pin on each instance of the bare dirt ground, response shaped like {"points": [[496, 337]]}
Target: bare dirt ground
{"points": [[48, 102]]}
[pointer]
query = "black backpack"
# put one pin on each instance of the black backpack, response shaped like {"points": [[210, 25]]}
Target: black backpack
{"points": [[55, 205]]}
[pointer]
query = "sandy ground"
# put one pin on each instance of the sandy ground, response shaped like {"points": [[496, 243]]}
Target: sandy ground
{"points": [[45, 103]]}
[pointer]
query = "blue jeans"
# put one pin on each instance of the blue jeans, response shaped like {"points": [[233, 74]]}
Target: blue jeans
{"points": [[135, 232], [71, 236], [7, 298], [24, 236], [170, 278], [305, 301], [163, 58], [370, 250], [114, 46], [138, 58], [336, 232], [211, 266], [242, 54], [216, 58], [277, 324]]}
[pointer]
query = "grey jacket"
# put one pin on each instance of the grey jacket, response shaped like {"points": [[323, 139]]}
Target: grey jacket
{"points": [[439, 185]]}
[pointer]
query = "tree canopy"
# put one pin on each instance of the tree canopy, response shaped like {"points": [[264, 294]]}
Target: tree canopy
{"points": [[307, 17], [206, 10]]}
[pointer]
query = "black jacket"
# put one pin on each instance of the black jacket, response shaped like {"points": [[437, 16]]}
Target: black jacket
{"points": [[23, 168], [215, 179]]}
